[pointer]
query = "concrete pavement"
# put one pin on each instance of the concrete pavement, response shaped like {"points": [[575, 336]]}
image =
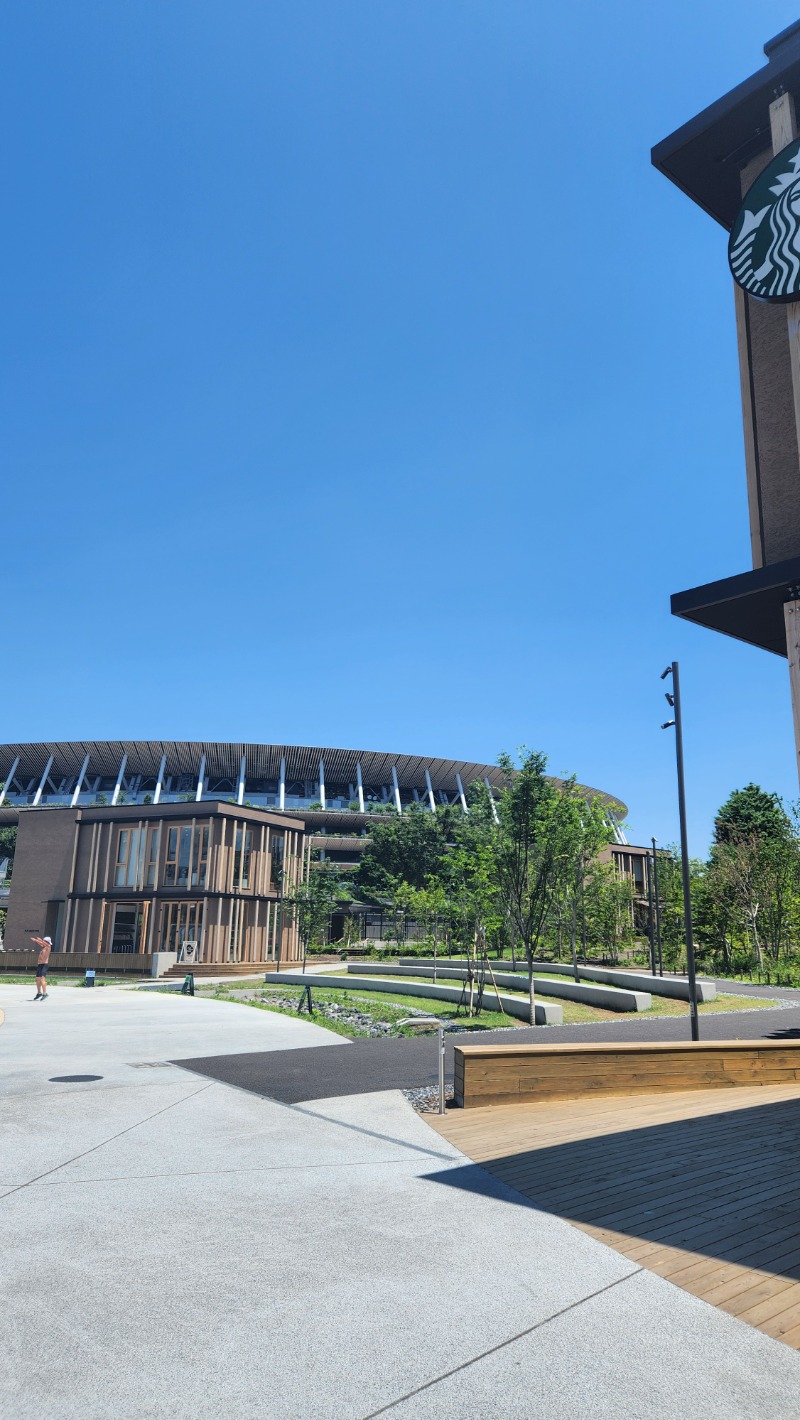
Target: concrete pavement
{"points": [[187, 1249]]}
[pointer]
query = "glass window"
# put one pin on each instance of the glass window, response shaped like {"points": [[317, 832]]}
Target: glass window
{"points": [[181, 922], [276, 841], [122, 858], [183, 856], [200, 857], [170, 867], [179, 847], [126, 935], [243, 844], [129, 868], [152, 857]]}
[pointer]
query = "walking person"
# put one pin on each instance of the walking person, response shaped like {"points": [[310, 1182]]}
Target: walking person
{"points": [[46, 946]]}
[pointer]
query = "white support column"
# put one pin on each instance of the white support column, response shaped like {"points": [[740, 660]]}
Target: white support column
{"points": [[79, 784], [322, 783], [118, 784], [491, 799], [10, 775], [160, 780], [430, 791], [398, 805], [242, 772], [360, 788], [37, 796], [201, 774], [462, 794], [282, 790]]}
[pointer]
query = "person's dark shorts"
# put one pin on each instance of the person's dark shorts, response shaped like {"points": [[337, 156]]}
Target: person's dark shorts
{"points": [[40, 968]]}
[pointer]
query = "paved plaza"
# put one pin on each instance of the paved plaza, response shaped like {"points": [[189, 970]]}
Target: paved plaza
{"points": [[177, 1246]]}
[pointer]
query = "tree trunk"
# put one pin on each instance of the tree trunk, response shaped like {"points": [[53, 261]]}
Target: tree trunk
{"points": [[573, 933], [756, 944], [531, 991]]}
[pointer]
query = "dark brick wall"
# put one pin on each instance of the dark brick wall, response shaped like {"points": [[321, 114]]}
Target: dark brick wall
{"points": [[42, 866]]}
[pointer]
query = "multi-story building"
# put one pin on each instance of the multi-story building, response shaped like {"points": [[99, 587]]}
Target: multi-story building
{"points": [[134, 849]]}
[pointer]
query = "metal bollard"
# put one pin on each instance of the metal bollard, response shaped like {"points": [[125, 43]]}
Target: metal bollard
{"points": [[440, 1034]]}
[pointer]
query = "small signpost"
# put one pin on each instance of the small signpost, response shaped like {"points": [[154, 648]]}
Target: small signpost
{"points": [[305, 1001], [187, 988], [88, 979]]}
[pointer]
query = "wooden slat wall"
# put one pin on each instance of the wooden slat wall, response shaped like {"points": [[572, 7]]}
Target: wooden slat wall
{"points": [[524, 1074], [113, 962]]}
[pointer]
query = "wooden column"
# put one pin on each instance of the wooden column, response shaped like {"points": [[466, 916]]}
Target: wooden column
{"points": [[783, 126]]}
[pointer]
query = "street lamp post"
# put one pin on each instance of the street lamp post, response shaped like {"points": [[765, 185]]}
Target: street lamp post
{"points": [[651, 926], [658, 909], [675, 701]]}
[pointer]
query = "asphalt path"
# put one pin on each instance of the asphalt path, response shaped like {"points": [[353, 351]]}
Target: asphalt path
{"points": [[364, 1066]]}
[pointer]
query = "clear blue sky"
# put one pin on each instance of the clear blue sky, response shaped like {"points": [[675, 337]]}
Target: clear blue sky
{"points": [[366, 386]]}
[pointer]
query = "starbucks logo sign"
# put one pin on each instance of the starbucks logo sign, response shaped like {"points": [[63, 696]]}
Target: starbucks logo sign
{"points": [[764, 246]]}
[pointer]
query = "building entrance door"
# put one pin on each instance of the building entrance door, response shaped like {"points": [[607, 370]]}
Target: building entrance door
{"points": [[181, 922]]}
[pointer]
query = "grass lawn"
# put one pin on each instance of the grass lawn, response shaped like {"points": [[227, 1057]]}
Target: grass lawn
{"points": [[383, 1008], [25, 978], [576, 1013]]}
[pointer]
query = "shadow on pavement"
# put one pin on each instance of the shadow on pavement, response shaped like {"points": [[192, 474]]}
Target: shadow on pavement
{"points": [[723, 1185]]}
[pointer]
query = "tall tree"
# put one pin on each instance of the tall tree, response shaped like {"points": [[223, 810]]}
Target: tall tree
{"points": [[407, 847], [527, 853], [311, 903], [750, 813]]}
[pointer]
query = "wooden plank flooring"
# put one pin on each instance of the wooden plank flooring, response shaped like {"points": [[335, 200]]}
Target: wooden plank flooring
{"points": [[701, 1187]]}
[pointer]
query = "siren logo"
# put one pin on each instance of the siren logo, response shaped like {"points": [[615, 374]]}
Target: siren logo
{"points": [[764, 246]]}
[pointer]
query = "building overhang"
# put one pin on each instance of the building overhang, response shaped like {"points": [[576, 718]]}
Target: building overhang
{"points": [[705, 156], [748, 607]]}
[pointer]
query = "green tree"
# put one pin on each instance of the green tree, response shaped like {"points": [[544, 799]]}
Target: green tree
{"points": [[527, 851], [670, 893], [311, 903], [581, 829], [750, 813], [407, 847], [608, 903], [8, 843], [753, 880]]}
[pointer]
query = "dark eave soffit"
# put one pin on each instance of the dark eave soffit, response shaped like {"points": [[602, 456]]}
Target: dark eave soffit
{"points": [[748, 606], [705, 156]]}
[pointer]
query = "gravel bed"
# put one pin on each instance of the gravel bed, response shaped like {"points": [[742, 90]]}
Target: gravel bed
{"points": [[358, 1020], [425, 1100]]}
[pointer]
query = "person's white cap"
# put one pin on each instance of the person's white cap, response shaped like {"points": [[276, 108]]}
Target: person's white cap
{"points": [[48, 939]]}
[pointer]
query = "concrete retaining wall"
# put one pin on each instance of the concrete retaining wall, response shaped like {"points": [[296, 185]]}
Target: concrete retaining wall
{"points": [[607, 998], [675, 987], [547, 1012]]}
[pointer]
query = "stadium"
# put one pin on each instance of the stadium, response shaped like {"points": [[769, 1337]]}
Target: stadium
{"points": [[140, 848], [336, 789]]}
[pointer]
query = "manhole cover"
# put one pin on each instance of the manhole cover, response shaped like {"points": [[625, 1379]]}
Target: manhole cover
{"points": [[72, 1079]]}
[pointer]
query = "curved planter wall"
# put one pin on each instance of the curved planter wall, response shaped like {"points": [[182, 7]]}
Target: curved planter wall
{"points": [[547, 1012]]}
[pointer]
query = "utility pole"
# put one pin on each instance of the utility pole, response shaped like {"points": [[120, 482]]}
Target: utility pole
{"points": [[658, 909], [675, 701], [651, 925]]}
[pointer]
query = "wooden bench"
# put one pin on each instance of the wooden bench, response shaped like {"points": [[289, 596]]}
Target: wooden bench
{"points": [[501, 1074]]}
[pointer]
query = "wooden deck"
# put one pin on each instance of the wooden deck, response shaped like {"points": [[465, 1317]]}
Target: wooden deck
{"points": [[700, 1187]]}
